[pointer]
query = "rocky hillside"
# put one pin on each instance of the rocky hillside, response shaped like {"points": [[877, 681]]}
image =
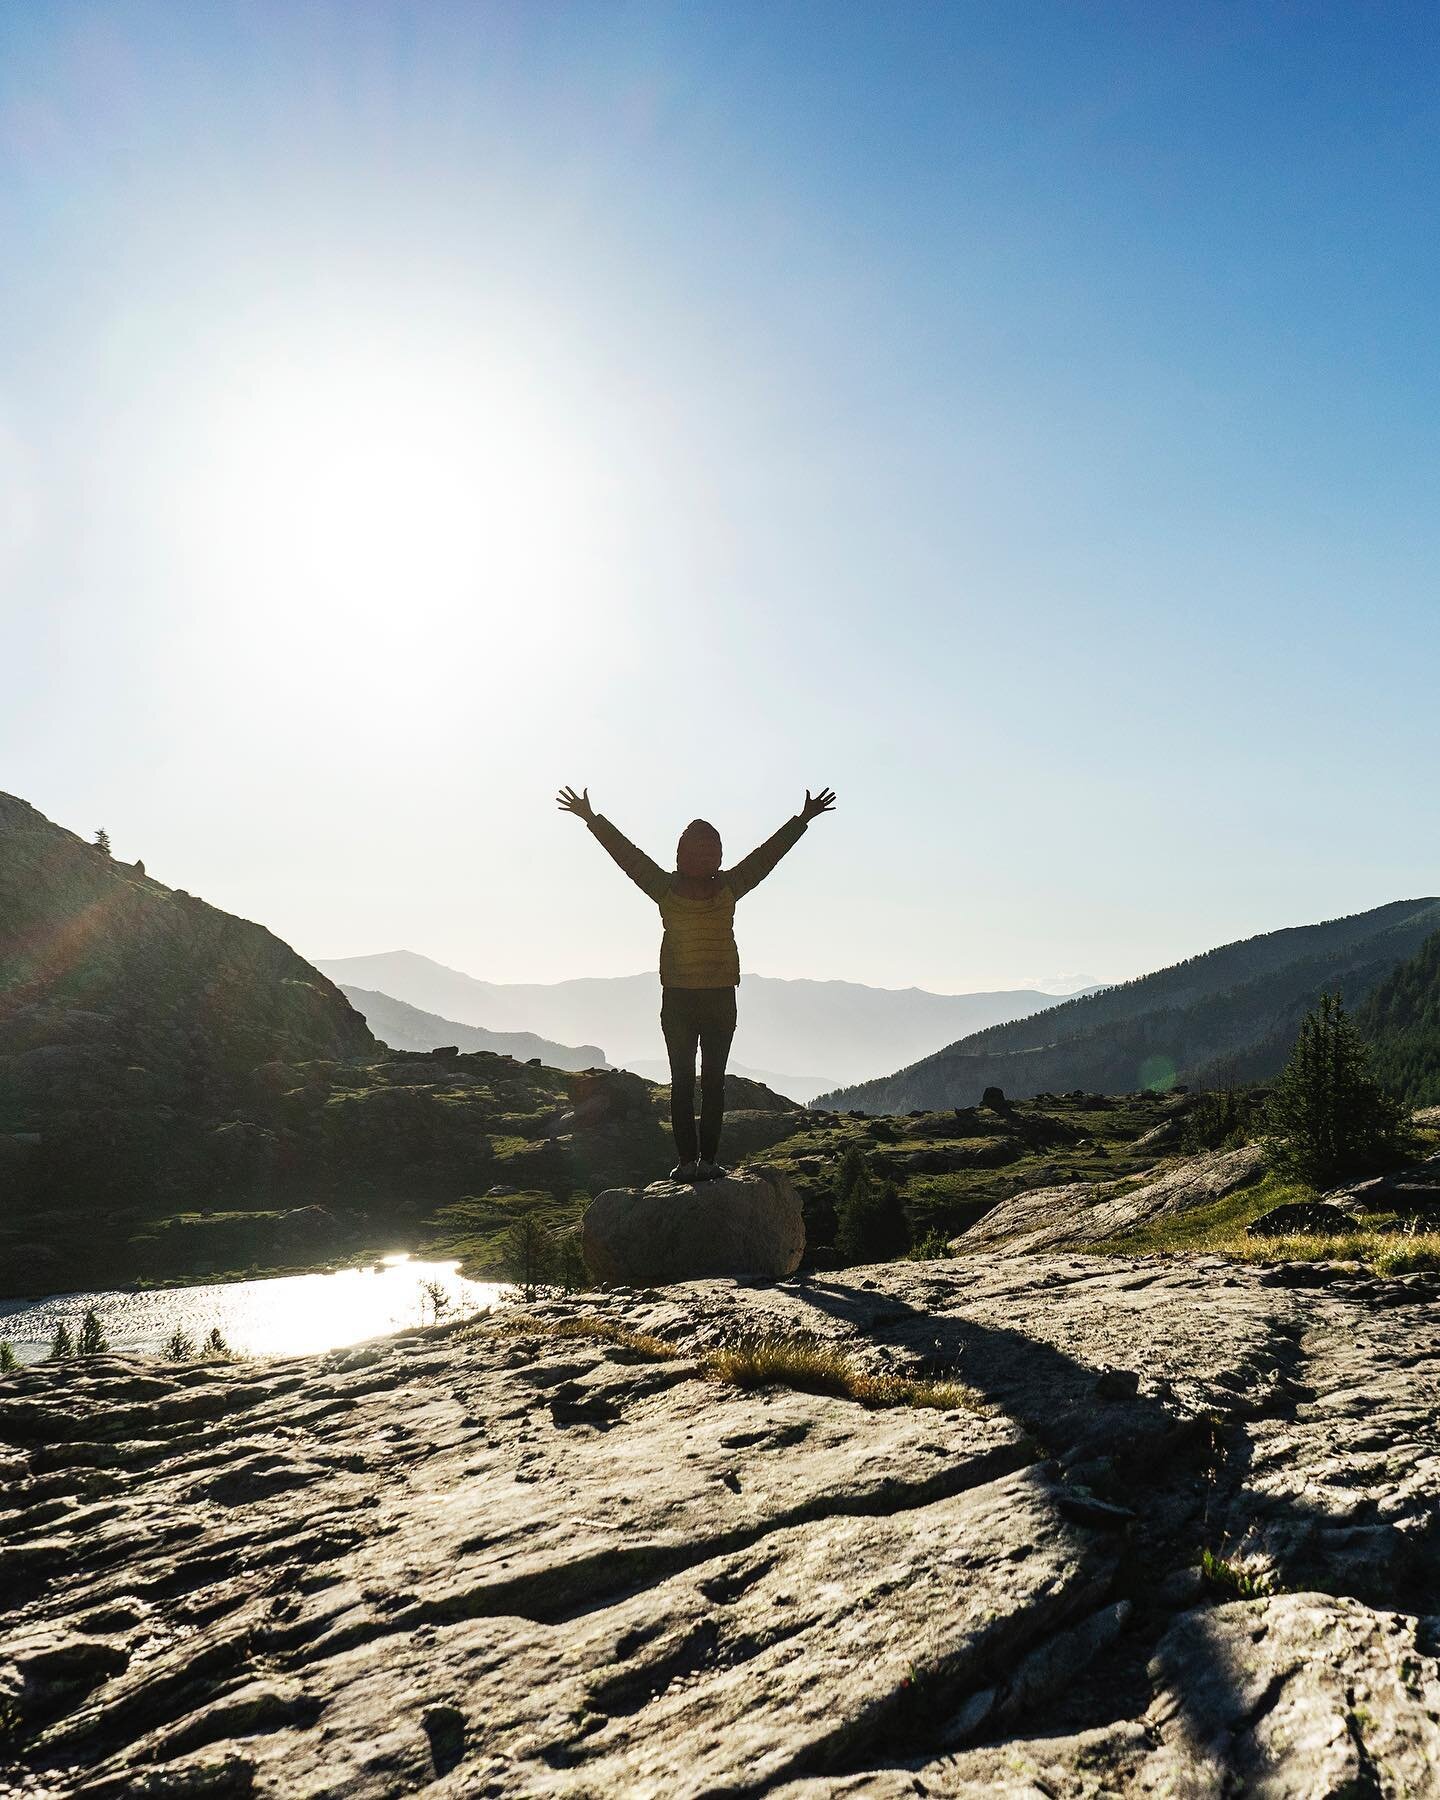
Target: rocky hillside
{"points": [[113, 985], [1177, 1539], [405, 1027], [1234, 1009], [1401, 1020]]}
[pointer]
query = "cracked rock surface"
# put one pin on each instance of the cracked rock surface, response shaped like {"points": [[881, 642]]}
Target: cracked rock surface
{"points": [[1051, 1217], [497, 1559]]}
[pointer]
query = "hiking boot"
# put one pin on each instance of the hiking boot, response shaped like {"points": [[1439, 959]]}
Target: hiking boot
{"points": [[709, 1171], [686, 1172]]}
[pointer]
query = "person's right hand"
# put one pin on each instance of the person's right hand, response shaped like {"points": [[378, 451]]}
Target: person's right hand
{"points": [[569, 801], [815, 804]]}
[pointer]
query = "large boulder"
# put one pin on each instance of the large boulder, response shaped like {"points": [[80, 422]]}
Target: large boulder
{"points": [[1302, 1216], [747, 1224]]}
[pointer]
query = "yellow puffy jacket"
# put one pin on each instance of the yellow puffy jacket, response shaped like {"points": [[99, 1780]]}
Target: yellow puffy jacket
{"points": [[698, 949]]}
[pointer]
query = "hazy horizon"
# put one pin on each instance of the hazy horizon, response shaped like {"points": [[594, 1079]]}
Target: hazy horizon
{"points": [[320, 959], [1021, 419]]}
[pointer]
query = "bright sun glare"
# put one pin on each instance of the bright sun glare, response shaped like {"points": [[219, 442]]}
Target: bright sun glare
{"points": [[340, 479]]}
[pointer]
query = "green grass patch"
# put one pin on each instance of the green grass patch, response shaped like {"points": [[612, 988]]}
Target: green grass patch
{"points": [[1218, 1226], [1219, 1229]]}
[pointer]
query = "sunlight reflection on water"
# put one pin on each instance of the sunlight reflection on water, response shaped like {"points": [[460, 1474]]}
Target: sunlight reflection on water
{"points": [[291, 1315]]}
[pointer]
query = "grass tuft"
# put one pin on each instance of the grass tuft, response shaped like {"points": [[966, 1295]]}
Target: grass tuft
{"points": [[591, 1326], [763, 1359], [1231, 1579], [772, 1359]]}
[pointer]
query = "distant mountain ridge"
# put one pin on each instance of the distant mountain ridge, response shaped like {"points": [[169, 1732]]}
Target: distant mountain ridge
{"points": [[839, 1030], [405, 1027], [1236, 1007]]}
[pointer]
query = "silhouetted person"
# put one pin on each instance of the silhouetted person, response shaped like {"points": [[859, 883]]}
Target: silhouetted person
{"points": [[699, 961]]}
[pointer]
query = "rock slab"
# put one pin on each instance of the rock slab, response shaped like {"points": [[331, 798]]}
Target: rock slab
{"points": [[748, 1224], [549, 1554]]}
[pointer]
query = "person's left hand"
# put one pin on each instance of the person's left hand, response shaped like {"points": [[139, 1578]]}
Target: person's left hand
{"points": [[815, 804]]}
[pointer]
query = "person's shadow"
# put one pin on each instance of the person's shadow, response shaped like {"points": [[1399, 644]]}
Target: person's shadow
{"points": [[1163, 1474]]}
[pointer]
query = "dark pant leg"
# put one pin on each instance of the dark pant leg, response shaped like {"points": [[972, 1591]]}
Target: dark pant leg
{"points": [[682, 1037], [717, 1028]]}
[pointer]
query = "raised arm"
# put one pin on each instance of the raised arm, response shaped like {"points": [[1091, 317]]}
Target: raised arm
{"points": [[751, 870], [648, 876]]}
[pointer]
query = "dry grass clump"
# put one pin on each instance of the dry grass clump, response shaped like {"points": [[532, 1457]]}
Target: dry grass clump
{"points": [[773, 1359], [591, 1326], [761, 1359]]}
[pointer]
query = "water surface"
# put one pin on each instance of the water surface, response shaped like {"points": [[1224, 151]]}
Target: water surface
{"points": [[290, 1315]]}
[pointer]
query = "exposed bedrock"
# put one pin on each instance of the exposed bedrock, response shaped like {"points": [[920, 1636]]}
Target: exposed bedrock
{"points": [[500, 1558]]}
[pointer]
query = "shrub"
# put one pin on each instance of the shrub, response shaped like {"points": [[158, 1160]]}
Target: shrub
{"points": [[8, 1360], [215, 1344], [570, 1270], [179, 1346], [434, 1302], [1328, 1117], [93, 1341]]}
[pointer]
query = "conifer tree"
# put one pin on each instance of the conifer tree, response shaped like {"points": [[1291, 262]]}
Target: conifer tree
{"points": [[1328, 1117], [93, 1341], [871, 1225], [102, 841], [527, 1255], [8, 1360], [62, 1344]]}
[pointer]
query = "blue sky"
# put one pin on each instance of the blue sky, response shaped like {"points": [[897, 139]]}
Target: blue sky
{"points": [[1021, 417]]}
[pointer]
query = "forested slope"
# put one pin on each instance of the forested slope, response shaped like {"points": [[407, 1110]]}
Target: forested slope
{"points": [[1235, 1008]]}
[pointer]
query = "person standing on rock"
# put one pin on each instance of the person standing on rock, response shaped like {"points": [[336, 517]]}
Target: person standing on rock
{"points": [[699, 960]]}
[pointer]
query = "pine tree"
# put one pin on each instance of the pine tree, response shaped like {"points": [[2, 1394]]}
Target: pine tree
{"points": [[871, 1225], [1328, 1117], [62, 1344], [527, 1254], [179, 1346], [102, 841], [8, 1360], [93, 1341], [215, 1344]]}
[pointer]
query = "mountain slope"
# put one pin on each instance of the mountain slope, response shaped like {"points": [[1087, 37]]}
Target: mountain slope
{"points": [[111, 982], [1236, 1006], [842, 1029], [406, 1027], [1401, 1019]]}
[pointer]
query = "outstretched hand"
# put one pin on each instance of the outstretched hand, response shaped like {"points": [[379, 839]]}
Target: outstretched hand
{"points": [[815, 804], [569, 801]]}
